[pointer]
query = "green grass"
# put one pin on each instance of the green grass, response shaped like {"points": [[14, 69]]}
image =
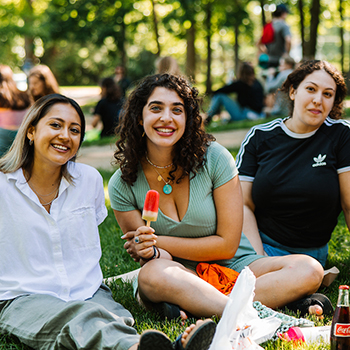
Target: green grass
{"points": [[116, 261]]}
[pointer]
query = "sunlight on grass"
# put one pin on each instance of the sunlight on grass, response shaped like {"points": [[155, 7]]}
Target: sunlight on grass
{"points": [[115, 261]]}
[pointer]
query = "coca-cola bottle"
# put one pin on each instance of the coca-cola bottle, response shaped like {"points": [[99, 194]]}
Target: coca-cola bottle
{"points": [[340, 330]]}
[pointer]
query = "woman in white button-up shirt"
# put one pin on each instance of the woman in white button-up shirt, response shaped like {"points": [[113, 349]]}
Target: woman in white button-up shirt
{"points": [[51, 291]]}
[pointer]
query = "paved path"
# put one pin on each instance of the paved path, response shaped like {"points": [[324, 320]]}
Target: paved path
{"points": [[101, 157], [82, 94]]}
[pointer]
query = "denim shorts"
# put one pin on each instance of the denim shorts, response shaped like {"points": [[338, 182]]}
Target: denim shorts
{"points": [[273, 248]]}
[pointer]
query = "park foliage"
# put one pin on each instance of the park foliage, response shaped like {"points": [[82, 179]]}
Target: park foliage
{"points": [[83, 40]]}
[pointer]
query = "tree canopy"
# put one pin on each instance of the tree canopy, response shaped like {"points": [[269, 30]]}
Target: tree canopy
{"points": [[83, 40]]}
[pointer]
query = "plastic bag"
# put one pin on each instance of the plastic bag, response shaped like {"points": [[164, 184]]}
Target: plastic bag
{"points": [[240, 326]]}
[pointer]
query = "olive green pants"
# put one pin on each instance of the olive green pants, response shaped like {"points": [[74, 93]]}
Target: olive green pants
{"points": [[46, 322]]}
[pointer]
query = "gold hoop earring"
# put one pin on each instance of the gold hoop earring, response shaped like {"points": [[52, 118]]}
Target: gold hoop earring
{"points": [[143, 134]]}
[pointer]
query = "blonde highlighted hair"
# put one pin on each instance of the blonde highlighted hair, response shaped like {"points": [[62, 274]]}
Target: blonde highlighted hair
{"points": [[21, 153]]}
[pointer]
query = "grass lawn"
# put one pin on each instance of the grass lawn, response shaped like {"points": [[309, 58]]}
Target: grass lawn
{"points": [[116, 261]]}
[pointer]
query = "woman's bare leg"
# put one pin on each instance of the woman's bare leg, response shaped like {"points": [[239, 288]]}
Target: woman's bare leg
{"points": [[166, 280], [280, 280], [283, 279]]}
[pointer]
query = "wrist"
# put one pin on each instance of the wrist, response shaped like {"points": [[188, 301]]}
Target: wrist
{"points": [[156, 254]]}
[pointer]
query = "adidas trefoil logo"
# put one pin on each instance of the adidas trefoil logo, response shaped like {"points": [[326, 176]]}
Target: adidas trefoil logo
{"points": [[319, 161]]}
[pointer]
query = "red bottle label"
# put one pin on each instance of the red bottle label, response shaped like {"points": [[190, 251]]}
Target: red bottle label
{"points": [[342, 330]]}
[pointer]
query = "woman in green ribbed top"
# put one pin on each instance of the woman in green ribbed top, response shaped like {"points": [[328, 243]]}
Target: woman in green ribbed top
{"points": [[163, 147]]}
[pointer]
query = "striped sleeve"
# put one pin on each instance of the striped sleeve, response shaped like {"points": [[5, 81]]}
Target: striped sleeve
{"points": [[246, 159], [343, 143]]}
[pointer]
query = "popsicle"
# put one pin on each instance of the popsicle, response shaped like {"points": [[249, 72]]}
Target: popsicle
{"points": [[150, 208]]}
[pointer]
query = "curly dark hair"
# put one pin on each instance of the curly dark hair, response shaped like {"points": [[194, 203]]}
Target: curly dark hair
{"points": [[189, 151], [308, 67]]}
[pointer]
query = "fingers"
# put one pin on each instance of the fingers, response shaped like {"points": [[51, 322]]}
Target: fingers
{"points": [[145, 239], [129, 235], [144, 230], [146, 253], [139, 243], [145, 234], [143, 245]]}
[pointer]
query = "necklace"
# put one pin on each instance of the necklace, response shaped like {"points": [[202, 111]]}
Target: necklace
{"points": [[167, 189], [45, 195], [158, 166], [39, 194], [41, 199]]}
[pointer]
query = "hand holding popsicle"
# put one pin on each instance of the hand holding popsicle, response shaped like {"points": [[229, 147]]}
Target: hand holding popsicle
{"points": [[150, 208]]}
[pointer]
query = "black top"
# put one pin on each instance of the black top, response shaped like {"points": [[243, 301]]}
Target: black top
{"points": [[295, 179], [109, 112], [247, 96]]}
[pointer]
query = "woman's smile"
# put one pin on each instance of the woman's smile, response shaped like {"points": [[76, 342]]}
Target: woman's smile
{"points": [[60, 148], [57, 135], [165, 131], [164, 118]]}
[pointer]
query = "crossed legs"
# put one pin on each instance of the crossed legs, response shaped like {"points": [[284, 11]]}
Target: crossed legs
{"points": [[280, 280]]}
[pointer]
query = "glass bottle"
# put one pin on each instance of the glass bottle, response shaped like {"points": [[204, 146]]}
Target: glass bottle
{"points": [[340, 329]]}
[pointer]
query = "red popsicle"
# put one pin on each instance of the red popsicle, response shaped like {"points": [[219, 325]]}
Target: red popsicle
{"points": [[150, 208]]}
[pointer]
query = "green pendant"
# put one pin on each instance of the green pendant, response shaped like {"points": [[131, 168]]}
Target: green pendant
{"points": [[167, 189]]}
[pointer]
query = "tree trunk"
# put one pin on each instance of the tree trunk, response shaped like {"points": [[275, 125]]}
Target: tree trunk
{"points": [[155, 23], [208, 25], [191, 52], [29, 40], [302, 26], [123, 41], [263, 17], [341, 34], [236, 48], [310, 49]]}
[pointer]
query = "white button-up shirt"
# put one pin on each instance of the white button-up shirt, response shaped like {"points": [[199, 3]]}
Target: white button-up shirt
{"points": [[54, 253]]}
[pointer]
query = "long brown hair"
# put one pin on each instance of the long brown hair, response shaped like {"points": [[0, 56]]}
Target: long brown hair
{"points": [[10, 96], [246, 73], [45, 74]]}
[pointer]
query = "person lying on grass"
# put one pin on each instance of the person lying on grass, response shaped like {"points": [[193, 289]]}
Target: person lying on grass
{"points": [[51, 291], [163, 147]]}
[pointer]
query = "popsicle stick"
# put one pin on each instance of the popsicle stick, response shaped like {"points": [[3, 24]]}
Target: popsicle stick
{"points": [[148, 223]]}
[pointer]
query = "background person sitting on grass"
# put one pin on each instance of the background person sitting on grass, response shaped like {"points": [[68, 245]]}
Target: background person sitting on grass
{"points": [[250, 97]]}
